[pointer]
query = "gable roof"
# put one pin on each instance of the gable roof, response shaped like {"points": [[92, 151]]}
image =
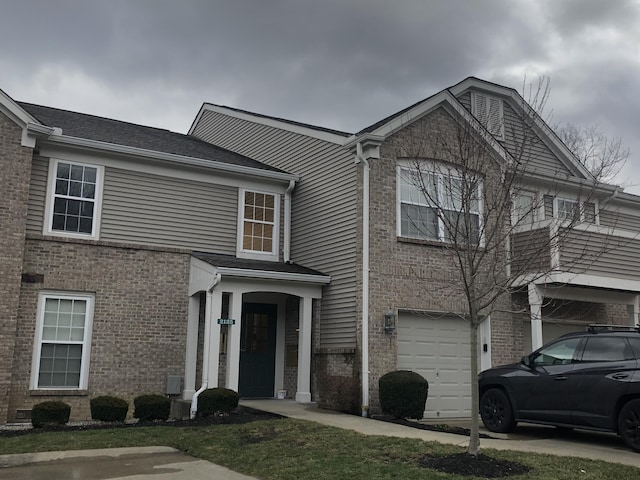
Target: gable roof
{"points": [[322, 133], [116, 132]]}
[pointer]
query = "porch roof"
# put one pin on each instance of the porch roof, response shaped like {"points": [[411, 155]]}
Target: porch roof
{"points": [[245, 264]]}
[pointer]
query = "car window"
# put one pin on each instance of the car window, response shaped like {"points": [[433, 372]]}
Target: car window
{"points": [[607, 349], [635, 345], [558, 353]]}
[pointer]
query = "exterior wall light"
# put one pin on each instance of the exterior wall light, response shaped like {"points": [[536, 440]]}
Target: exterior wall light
{"points": [[389, 321]]}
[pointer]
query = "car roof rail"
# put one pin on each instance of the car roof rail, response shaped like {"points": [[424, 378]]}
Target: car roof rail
{"points": [[605, 327]]}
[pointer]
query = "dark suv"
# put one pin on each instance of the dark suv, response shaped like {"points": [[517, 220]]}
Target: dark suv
{"points": [[588, 380]]}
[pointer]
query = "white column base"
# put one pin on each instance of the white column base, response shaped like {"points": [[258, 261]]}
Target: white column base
{"points": [[303, 397]]}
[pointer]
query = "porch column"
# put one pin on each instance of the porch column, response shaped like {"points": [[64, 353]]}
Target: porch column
{"points": [[303, 393], [234, 332], [633, 311], [535, 305], [191, 354], [211, 354]]}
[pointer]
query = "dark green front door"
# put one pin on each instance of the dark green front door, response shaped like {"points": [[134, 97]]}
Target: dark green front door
{"points": [[257, 350]]}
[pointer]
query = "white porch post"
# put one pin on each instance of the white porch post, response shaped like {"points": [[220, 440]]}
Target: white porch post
{"points": [[233, 354], [303, 393], [212, 344], [191, 355], [535, 304], [634, 310]]}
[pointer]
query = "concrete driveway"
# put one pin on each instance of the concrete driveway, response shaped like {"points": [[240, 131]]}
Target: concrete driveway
{"points": [[147, 463]]}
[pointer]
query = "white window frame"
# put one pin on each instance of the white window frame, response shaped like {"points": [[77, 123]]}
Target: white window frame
{"points": [[535, 210], [275, 244], [440, 176], [476, 98], [86, 341], [556, 209], [51, 195]]}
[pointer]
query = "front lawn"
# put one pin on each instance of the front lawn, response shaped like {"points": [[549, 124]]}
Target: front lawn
{"points": [[297, 449]]}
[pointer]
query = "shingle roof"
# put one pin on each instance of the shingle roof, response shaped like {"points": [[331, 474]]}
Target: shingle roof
{"points": [[116, 132], [230, 261]]}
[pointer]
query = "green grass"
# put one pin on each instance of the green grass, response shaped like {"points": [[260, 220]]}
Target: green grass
{"points": [[296, 449]]}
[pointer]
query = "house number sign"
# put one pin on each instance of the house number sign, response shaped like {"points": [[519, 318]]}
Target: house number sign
{"points": [[226, 321]]}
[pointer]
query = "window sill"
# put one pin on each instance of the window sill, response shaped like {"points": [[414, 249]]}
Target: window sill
{"points": [[58, 393], [420, 241]]}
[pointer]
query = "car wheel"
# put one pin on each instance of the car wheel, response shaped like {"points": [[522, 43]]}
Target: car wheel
{"points": [[629, 424], [496, 411]]}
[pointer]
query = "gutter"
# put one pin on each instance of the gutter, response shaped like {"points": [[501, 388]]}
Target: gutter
{"points": [[205, 352], [287, 221]]}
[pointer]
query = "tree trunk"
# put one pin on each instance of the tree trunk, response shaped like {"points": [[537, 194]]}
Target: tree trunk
{"points": [[474, 438]]}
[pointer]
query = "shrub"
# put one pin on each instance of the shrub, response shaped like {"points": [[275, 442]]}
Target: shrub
{"points": [[217, 400], [342, 394], [403, 394], [50, 413], [151, 407], [109, 409]]}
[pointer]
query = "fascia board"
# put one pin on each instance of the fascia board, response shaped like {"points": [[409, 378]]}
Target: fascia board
{"points": [[446, 100], [269, 275], [168, 157], [565, 155], [15, 112], [270, 122]]}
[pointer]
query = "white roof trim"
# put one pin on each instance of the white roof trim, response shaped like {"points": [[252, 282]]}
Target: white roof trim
{"points": [[14, 111], [181, 159], [270, 275], [569, 159], [270, 122]]}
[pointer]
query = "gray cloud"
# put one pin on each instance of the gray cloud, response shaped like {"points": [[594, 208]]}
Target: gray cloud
{"points": [[340, 64]]}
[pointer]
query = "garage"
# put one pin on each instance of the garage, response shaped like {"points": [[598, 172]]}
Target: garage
{"points": [[437, 347]]}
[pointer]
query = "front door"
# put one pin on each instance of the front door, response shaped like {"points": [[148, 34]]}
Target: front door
{"points": [[257, 350]]}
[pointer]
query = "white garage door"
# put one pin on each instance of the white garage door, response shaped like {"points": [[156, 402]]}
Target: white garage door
{"points": [[437, 347]]}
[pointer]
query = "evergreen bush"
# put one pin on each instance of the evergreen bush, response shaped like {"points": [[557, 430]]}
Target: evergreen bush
{"points": [[50, 413], [217, 400], [403, 394], [109, 409], [151, 407]]}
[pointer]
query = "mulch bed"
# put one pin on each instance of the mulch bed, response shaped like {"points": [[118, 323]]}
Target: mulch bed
{"points": [[481, 466]]}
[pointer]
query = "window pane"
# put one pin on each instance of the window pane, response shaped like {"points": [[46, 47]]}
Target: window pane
{"points": [[90, 174], [85, 225], [458, 227], [62, 187], [523, 208], [605, 349], [75, 189], [60, 206], [64, 170], [559, 353], [418, 222], [60, 365]]}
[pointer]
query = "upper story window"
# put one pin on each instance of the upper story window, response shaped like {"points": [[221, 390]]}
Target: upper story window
{"points": [[63, 339], [438, 206], [489, 112], [74, 200], [524, 208], [568, 210], [259, 215]]}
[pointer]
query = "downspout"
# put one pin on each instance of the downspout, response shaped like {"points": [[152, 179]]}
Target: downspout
{"points": [[287, 222], [205, 350], [365, 279]]}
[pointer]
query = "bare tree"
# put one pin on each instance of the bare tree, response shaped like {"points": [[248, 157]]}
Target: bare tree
{"points": [[481, 202], [602, 155]]}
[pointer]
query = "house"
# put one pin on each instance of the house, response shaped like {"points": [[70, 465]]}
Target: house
{"points": [[350, 221], [262, 254], [120, 242]]}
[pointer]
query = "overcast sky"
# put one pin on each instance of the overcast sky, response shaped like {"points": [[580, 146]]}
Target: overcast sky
{"points": [[341, 64]]}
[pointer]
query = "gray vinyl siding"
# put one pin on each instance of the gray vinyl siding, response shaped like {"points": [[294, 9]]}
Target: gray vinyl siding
{"points": [[599, 254], [37, 194], [156, 210], [536, 155], [323, 209], [609, 217], [530, 251]]}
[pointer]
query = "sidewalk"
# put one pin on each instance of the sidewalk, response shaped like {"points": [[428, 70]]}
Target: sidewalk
{"points": [[597, 446]]}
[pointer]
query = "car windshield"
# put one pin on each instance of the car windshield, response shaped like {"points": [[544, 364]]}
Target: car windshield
{"points": [[558, 353]]}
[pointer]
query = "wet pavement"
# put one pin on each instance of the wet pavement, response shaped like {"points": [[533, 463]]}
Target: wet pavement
{"points": [[148, 463]]}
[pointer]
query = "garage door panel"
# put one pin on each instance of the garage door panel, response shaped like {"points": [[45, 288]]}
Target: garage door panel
{"points": [[437, 348]]}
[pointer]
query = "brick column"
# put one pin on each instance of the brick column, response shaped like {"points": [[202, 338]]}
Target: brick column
{"points": [[15, 172]]}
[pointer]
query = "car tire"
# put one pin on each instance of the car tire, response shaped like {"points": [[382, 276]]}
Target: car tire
{"points": [[496, 411], [629, 424]]}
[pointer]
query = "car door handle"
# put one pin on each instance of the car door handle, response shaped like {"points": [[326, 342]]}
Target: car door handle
{"points": [[620, 376], [557, 379]]}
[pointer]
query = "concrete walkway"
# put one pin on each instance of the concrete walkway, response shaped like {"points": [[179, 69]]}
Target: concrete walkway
{"points": [[528, 438]]}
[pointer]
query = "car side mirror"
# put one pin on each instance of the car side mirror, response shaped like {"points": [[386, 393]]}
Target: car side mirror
{"points": [[526, 361]]}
